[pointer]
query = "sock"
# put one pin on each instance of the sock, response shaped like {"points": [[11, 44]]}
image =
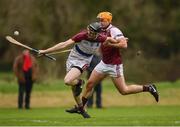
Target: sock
{"points": [[77, 98], [79, 82], [145, 88], [84, 101]]}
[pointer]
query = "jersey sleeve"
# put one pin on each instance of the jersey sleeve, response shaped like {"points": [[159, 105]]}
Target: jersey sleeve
{"points": [[116, 33], [79, 36], [101, 38]]}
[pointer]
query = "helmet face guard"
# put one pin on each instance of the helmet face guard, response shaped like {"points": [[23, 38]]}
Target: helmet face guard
{"points": [[92, 34], [93, 29]]}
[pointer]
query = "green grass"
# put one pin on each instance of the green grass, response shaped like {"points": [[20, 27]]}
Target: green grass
{"points": [[8, 84], [136, 115], [164, 114]]}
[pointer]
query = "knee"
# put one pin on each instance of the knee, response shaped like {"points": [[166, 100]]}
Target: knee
{"points": [[124, 91], [67, 81]]}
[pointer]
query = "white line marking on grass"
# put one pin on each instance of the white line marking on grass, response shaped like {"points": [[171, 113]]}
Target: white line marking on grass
{"points": [[177, 122], [43, 121], [36, 121], [39, 121]]}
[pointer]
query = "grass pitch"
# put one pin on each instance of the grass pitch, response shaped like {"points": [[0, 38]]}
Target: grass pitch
{"points": [[50, 99], [112, 116]]}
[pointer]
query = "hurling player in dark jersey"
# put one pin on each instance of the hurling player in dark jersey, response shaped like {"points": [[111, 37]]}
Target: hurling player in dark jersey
{"points": [[111, 64]]}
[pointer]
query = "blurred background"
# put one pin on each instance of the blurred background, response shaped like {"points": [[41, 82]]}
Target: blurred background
{"points": [[152, 26]]}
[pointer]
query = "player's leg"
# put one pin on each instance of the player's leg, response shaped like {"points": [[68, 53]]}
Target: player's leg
{"points": [[117, 76], [80, 108], [92, 81], [75, 66], [124, 89], [94, 78], [116, 72], [134, 88], [97, 75], [73, 74], [72, 79]]}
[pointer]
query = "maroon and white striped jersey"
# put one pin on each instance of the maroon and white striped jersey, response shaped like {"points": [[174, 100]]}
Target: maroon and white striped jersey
{"points": [[111, 55]]}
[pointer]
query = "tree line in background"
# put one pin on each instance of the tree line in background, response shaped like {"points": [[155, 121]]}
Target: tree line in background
{"points": [[152, 28]]}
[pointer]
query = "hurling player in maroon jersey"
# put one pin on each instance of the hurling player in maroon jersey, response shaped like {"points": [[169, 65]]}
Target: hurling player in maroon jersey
{"points": [[111, 64], [85, 43]]}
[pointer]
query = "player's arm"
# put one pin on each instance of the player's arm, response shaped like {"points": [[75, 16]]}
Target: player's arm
{"points": [[118, 35], [123, 42], [76, 38], [58, 46], [111, 40], [120, 43]]}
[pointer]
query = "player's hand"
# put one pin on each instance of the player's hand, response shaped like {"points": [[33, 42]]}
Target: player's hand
{"points": [[42, 52], [124, 40], [106, 43], [127, 39]]}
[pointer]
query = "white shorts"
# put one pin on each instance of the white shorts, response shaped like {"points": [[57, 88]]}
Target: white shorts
{"points": [[109, 69], [77, 60]]}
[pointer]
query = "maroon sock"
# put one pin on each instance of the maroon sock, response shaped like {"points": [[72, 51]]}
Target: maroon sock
{"points": [[81, 108], [79, 82], [145, 88], [84, 101]]}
